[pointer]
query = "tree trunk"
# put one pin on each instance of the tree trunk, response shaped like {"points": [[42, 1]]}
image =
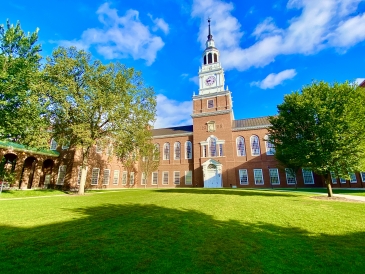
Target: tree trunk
{"points": [[329, 188], [83, 171]]}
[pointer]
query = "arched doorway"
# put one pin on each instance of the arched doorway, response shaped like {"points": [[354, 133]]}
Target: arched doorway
{"points": [[212, 171], [47, 173], [7, 167], [28, 172]]}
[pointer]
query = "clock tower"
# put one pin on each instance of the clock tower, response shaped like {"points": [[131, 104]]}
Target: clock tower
{"points": [[211, 74]]}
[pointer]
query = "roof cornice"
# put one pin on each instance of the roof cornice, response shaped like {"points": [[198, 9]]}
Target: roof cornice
{"points": [[214, 113], [172, 135], [249, 128]]}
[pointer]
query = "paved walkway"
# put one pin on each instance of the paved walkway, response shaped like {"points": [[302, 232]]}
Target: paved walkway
{"points": [[350, 197]]}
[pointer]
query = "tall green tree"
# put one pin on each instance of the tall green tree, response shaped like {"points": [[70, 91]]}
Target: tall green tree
{"points": [[322, 128], [91, 103], [149, 160], [22, 109]]}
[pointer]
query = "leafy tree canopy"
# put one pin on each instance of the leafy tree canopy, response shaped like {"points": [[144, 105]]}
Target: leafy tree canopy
{"points": [[321, 128], [21, 108]]}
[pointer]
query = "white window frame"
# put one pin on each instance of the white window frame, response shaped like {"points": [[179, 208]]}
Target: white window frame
{"points": [[240, 153], [154, 178], [79, 173], [106, 177], [220, 150], [210, 100], [269, 151], [176, 177], [362, 175], [98, 149], [333, 178], [165, 175], [204, 151], [304, 172], [124, 178], [342, 181], [353, 178], [61, 174], [258, 171], [258, 142], [53, 145], [95, 172], [116, 177], [290, 177], [166, 156], [188, 174], [131, 178], [187, 156], [143, 179], [243, 173], [272, 172], [177, 145]]}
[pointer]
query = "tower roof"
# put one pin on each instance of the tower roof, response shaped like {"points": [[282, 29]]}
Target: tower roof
{"points": [[210, 36]]}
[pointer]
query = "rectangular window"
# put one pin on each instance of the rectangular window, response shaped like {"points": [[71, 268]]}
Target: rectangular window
{"points": [[106, 177], [352, 177], [109, 150], [188, 150], [98, 149], [79, 173], [342, 180], [259, 179], [210, 103], [362, 174], [143, 179], [95, 176], [220, 149], [131, 178], [188, 177], [333, 178], [154, 178], [204, 151], [176, 177], [165, 178], [308, 176], [290, 177], [61, 175], [47, 179], [53, 145], [116, 177], [124, 178], [243, 176], [274, 176]]}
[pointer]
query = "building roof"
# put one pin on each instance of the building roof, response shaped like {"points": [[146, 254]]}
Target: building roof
{"points": [[251, 123], [362, 84], [172, 131], [19, 147]]}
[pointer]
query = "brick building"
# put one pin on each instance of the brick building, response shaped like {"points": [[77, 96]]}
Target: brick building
{"points": [[216, 151]]}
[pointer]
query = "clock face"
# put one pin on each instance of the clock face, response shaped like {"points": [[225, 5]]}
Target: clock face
{"points": [[210, 80]]}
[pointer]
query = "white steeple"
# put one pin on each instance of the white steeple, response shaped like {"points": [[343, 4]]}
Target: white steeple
{"points": [[211, 74]]}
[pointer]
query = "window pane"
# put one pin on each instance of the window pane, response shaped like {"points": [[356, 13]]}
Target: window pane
{"points": [[240, 146], [165, 179], [274, 176], [220, 149], [188, 177], [95, 176], [210, 103], [177, 177], [188, 150], [124, 178], [131, 178], [352, 177], [308, 176], [213, 147], [177, 151], [166, 151], [106, 177], [362, 174], [61, 175], [116, 177], [290, 177], [143, 178], [154, 178], [259, 180], [333, 178], [243, 176], [255, 146]]}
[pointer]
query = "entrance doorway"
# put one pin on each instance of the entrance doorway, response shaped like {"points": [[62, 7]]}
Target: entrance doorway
{"points": [[212, 171]]}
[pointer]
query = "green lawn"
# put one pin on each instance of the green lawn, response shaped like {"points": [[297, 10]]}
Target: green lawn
{"points": [[182, 231], [6, 194], [355, 192]]}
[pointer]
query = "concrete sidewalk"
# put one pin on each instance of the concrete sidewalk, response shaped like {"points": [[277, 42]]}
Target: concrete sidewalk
{"points": [[350, 197]]}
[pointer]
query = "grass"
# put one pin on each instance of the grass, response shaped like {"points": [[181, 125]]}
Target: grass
{"points": [[182, 231], [355, 192], [30, 193]]}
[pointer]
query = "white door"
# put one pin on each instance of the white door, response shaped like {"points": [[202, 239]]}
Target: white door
{"points": [[212, 179]]}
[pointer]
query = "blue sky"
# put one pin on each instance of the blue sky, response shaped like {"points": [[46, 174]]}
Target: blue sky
{"points": [[268, 48]]}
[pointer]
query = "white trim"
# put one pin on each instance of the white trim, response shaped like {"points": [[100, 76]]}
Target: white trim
{"points": [[176, 177], [241, 173], [153, 181], [311, 173], [61, 174], [106, 179], [213, 113], [188, 174], [172, 135], [212, 95], [143, 179], [124, 178], [165, 177], [131, 178], [272, 177], [116, 178], [95, 172], [289, 176], [259, 170]]}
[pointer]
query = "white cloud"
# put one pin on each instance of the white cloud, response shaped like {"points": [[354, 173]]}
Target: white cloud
{"points": [[321, 24], [121, 36], [275, 79], [195, 80], [160, 24], [172, 113]]}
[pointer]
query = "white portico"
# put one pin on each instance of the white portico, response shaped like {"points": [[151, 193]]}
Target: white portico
{"points": [[212, 173]]}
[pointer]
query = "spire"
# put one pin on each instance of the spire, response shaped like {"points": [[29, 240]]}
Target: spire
{"points": [[210, 36]]}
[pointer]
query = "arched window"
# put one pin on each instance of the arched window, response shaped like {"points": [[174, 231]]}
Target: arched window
{"points": [[177, 151], [213, 146], [205, 59], [215, 58], [53, 145], [188, 150], [166, 151], [156, 153], [255, 145], [270, 148], [240, 142], [209, 58]]}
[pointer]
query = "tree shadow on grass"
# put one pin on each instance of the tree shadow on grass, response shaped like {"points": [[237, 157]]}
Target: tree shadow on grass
{"points": [[238, 192], [135, 238]]}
